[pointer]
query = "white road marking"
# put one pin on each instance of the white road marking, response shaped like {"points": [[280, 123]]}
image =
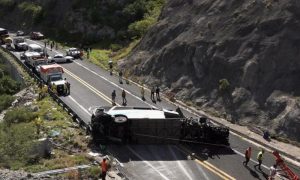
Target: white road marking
{"points": [[140, 157], [181, 166], [85, 110], [114, 84]]}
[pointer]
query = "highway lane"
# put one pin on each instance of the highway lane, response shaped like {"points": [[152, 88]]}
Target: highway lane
{"points": [[220, 159]]}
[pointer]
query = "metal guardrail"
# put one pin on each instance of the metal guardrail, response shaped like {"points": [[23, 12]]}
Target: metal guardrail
{"points": [[56, 98]]}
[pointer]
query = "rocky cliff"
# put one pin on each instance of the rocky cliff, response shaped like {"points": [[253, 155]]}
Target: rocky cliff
{"points": [[251, 44]]}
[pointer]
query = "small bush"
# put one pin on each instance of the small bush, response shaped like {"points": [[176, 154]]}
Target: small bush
{"points": [[94, 172], [5, 101], [224, 85], [7, 4], [9, 86], [31, 9], [19, 115]]}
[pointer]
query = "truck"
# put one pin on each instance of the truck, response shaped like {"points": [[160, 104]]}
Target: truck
{"points": [[74, 52], [3, 36], [53, 74], [20, 44], [143, 125], [33, 58]]}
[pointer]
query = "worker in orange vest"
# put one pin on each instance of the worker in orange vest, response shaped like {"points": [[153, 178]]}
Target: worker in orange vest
{"points": [[103, 168], [247, 156]]}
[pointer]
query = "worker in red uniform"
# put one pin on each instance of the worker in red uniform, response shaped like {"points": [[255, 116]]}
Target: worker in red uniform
{"points": [[247, 156], [103, 168]]}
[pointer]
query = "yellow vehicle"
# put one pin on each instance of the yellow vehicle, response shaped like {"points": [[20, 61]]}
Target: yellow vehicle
{"points": [[3, 35]]}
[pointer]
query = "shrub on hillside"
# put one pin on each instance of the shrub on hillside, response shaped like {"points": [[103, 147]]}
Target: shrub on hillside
{"points": [[9, 86], [31, 9], [5, 101], [7, 4], [16, 143], [19, 115]]}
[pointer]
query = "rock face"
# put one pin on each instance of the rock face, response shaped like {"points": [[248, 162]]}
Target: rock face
{"points": [[254, 44]]}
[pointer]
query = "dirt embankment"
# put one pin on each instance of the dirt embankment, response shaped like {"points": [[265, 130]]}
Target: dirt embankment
{"points": [[254, 45]]}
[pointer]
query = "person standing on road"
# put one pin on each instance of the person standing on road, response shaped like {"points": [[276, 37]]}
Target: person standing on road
{"points": [[247, 156], [143, 93], [103, 169], [113, 97], [110, 64], [157, 91], [152, 93], [273, 172], [120, 76], [260, 158], [69, 88], [124, 97]]}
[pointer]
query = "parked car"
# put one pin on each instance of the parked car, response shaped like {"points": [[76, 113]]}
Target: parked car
{"points": [[60, 58], [20, 44], [36, 36], [20, 33], [74, 52]]}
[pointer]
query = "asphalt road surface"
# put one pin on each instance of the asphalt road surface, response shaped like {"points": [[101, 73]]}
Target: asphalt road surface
{"points": [[92, 86]]}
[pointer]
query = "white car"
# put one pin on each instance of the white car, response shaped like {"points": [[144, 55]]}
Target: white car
{"points": [[60, 58]]}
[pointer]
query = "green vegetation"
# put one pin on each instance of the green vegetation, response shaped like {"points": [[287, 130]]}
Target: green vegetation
{"points": [[33, 10], [5, 101], [224, 85]]}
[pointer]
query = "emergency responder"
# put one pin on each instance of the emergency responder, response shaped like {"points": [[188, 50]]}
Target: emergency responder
{"points": [[65, 87], [273, 172], [69, 87], [113, 97], [103, 169], [152, 94], [44, 90], [120, 77], [54, 88], [157, 91], [247, 156], [110, 64], [260, 158], [143, 93], [124, 97]]}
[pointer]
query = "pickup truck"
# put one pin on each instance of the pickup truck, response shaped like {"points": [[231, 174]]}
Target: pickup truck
{"points": [[74, 52]]}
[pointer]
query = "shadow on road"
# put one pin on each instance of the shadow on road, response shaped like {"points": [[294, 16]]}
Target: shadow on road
{"points": [[126, 153]]}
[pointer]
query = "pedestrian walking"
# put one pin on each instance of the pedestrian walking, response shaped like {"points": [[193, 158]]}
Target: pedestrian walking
{"points": [[124, 97], [143, 93], [103, 169], [260, 158], [113, 97], [120, 76], [68, 88], [88, 55], [152, 94], [247, 156], [65, 87], [157, 91], [56, 46]]}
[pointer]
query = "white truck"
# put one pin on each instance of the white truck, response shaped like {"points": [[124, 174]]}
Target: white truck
{"points": [[34, 58], [53, 74]]}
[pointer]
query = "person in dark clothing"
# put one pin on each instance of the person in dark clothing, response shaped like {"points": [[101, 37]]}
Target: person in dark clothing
{"points": [[152, 94], [69, 88], [120, 76], [157, 91], [113, 97], [124, 97]]}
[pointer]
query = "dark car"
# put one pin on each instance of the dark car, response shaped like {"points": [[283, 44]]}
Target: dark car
{"points": [[36, 36]]}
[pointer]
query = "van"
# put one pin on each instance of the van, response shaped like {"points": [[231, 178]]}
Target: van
{"points": [[38, 49]]}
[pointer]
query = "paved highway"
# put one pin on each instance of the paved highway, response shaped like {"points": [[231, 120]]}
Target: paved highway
{"points": [[92, 86]]}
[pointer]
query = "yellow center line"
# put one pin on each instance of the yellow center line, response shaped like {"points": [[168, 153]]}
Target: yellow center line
{"points": [[209, 166], [97, 92]]}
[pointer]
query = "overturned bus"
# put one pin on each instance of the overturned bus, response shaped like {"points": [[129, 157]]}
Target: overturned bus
{"points": [[142, 125]]}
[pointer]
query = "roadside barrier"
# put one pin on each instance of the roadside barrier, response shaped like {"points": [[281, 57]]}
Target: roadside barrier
{"points": [[56, 98]]}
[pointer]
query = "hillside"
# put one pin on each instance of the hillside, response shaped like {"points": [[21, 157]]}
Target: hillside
{"points": [[237, 59], [81, 21]]}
